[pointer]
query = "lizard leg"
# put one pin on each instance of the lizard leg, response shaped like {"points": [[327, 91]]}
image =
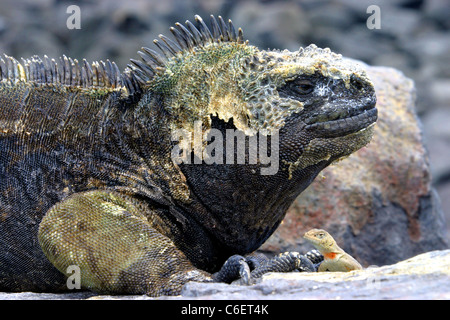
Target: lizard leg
{"points": [[236, 267], [114, 246]]}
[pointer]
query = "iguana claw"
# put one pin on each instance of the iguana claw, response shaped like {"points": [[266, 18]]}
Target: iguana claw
{"points": [[248, 269]]}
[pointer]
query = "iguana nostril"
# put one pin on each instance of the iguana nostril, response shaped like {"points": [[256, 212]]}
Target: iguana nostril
{"points": [[356, 82]]}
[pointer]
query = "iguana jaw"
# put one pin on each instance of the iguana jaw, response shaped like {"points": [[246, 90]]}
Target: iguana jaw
{"points": [[347, 122], [348, 125], [329, 150]]}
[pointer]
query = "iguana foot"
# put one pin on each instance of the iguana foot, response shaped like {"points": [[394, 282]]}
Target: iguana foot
{"points": [[285, 262], [248, 269], [236, 267], [315, 257]]}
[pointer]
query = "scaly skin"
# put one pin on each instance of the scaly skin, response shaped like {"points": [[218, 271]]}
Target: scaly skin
{"points": [[88, 178], [335, 259]]}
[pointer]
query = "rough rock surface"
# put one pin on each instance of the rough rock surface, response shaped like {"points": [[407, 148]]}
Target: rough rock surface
{"points": [[378, 204], [426, 276]]}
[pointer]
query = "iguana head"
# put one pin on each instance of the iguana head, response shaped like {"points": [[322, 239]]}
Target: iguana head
{"points": [[319, 106], [322, 104]]}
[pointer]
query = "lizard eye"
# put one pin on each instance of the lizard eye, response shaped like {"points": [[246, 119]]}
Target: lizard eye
{"points": [[303, 87], [321, 235], [298, 89]]}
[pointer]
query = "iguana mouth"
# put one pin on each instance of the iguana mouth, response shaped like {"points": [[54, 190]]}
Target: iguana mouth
{"points": [[343, 123]]}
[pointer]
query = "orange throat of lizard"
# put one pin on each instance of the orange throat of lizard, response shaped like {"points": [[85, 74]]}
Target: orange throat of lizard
{"points": [[329, 255]]}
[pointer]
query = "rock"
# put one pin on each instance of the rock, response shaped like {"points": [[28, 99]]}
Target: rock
{"points": [[437, 131], [45, 296], [378, 204], [437, 10], [426, 276], [444, 192]]}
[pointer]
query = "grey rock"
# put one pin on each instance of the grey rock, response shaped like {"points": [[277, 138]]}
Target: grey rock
{"points": [[437, 135], [45, 296], [444, 192], [426, 276], [274, 25], [438, 10]]}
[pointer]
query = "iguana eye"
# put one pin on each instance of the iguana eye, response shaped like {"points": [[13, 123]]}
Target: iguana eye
{"points": [[303, 87], [299, 88]]}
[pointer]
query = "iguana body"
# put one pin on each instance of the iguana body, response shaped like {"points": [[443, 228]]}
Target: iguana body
{"points": [[88, 177], [335, 259]]}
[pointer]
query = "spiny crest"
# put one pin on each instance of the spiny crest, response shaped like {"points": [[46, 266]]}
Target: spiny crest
{"points": [[64, 71], [188, 38], [69, 72]]}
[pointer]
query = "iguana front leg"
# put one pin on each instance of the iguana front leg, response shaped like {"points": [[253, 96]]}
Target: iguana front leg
{"points": [[115, 246]]}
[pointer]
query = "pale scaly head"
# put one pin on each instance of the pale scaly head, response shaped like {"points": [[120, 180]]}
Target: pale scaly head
{"points": [[320, 239], [322, 105]]}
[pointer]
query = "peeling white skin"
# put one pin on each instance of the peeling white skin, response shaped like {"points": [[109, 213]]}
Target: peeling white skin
{"points": [[249, 83], [242, 85], [323, 91], [275, 68]]}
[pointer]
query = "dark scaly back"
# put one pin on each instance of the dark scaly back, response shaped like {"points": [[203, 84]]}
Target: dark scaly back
{"points": [[45, 105], [55, 118]]}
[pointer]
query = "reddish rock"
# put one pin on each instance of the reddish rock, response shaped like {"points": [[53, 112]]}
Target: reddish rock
{"points": [[378, 203]]}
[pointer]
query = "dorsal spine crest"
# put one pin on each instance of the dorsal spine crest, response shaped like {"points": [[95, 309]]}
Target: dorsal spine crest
{"points": [[106, 75]]}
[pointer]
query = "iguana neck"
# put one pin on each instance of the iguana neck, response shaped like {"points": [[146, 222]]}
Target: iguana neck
{"points": [[196, 85]]}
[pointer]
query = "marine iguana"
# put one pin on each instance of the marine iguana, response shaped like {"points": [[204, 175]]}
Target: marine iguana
{"points": [[88, 176]]}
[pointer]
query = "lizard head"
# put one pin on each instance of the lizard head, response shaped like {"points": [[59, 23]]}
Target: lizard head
{"points": [[322, 104], [307, 108], [320, 239]]}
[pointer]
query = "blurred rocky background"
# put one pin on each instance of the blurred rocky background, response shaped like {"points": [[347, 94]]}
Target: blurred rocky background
{"points": [[414, 38]]}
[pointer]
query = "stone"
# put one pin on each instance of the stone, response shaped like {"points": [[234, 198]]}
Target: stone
{"points": [[437, 133], [378, 204], [426, 276]]}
